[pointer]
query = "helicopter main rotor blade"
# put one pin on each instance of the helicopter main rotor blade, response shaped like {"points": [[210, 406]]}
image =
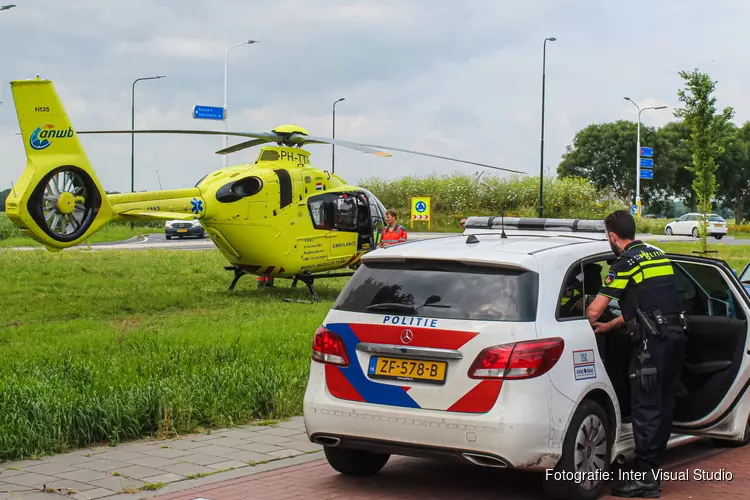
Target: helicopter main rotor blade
{"points": [[242, 145], [447, 158], [309, 139], [267, 136]]}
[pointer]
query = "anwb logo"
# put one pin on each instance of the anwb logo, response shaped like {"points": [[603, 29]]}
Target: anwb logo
{"points": [[41, 136]]}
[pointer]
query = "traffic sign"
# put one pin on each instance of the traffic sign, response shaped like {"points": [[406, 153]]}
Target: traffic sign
{"points": [[647, 162], [420, 210], [208, 113], [633, 209], [647, 174], [646, 151]]}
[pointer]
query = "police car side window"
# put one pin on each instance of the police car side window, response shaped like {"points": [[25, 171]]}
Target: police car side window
{"points": [[703, 290]]}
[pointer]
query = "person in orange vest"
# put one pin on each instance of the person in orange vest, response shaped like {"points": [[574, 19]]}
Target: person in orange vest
{"points": [[264, 281], [393, 232]]}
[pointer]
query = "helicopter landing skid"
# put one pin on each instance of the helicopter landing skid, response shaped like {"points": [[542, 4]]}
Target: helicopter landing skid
{"points": [[307, 279]]}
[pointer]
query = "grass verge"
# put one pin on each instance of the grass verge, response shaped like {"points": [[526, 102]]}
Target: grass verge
{"points": [[109, 346]]}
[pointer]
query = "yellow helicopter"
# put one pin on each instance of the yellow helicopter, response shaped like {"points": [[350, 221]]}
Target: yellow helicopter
{"points": [[280, 217]]}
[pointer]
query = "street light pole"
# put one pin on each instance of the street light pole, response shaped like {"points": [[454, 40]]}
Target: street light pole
{"points": [[638, 154], [132, 128], [541, 154], [226, 120], [4, 7], [333, 146]]}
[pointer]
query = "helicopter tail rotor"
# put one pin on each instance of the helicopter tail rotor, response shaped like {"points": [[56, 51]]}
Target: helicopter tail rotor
{"points": [[58, 199]]}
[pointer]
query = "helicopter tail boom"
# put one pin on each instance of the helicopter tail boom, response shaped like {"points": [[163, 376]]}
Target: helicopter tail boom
{"points": [[58, 200]]}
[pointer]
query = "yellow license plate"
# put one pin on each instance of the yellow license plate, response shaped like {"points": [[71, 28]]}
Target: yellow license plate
{"points": [[719, 225], [408, 369], [182, 230]]}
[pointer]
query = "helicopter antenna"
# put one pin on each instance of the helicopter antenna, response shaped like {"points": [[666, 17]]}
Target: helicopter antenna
{"points": [[14, 189], [502, 227], [159, 178]]}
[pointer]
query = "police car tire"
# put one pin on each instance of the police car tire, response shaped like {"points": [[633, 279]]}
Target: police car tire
{"points": [[572, 490], [355, 462]]}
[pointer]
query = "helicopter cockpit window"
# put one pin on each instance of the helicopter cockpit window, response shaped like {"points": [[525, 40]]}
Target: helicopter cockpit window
{"points": [[321, 212], [346, 213]]}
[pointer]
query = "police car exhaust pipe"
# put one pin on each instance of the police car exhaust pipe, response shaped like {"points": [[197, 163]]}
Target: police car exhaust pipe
{"points": [[484, 460], [326, 441]]}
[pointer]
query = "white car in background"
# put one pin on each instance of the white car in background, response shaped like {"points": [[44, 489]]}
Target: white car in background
{"points": [[182, 228], [688, 225]]}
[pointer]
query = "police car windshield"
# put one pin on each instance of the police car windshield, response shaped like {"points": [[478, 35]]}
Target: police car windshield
{"points": [[442, 290]]}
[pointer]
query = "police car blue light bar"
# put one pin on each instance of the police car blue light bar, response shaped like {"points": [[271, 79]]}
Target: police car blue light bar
{"points": [[499, 223]]}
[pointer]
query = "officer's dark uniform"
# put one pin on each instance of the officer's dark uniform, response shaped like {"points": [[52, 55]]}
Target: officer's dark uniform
{"points": [[643, 276]]}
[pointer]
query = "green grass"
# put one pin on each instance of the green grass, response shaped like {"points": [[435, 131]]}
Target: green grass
{"points": [[108, 346], [103, 347]]}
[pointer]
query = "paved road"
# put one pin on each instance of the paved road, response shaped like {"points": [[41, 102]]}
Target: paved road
{"points": [[407, 478], [157, 240]]}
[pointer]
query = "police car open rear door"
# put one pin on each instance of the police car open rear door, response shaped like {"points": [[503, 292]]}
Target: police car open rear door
{"points": [[716, 370]]}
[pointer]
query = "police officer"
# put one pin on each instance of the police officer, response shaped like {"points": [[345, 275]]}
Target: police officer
{"points": [[642, 280]]}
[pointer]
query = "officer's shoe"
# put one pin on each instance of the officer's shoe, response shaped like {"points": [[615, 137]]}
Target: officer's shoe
{"points": [[637, 488]]}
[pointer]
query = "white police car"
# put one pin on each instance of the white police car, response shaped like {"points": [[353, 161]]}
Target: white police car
{"points": [[458, 347]]}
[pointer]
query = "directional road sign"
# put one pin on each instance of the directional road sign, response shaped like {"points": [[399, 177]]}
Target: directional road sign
{"points": [[647, 162], [208, 113], [647, 174], [633, 209], [646, 151], [420, 210]]}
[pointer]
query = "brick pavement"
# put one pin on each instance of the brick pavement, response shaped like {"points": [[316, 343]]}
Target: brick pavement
{"points": [[406, 478], [145, 468]]}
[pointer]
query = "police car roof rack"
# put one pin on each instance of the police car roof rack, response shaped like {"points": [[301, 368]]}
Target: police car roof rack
{"points": [[535, 224]]}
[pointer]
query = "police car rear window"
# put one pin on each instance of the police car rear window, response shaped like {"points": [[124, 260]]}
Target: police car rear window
{"points": [[442, 290]]}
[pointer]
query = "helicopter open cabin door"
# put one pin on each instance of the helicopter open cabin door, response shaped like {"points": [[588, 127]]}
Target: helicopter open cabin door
{"points": [[345, 218]]}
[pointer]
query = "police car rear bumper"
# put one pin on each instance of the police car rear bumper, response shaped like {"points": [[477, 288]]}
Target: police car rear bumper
{"points": [[514, 434]]}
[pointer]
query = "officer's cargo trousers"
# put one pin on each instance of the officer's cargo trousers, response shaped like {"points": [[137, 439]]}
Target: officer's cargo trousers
{"points": [[652, 413]]}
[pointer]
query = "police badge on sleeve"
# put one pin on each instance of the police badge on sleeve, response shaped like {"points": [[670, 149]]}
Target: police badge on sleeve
{"points": [[610, 278]]}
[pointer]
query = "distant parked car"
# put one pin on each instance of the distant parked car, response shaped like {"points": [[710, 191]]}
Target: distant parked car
{"points": [[688, 225], [182, 228]]}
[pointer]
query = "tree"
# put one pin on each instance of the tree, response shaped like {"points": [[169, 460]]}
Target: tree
{"points": [[3, 196], [733, 170], [708, 136], [605, 154], [672, 143]]}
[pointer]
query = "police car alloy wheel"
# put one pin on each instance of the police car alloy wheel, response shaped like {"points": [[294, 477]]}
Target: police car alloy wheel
{"points": [[355, 462], [583, 466]]}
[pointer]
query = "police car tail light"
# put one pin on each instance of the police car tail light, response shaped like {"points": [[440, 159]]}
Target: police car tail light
{"points": [[329, 348], [520, 360]]}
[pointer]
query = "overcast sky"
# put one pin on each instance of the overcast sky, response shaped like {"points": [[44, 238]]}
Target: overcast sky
{"points": [[455, 78]]}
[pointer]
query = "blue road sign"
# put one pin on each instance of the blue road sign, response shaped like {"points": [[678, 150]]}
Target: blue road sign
{"points": [[647, 174], [647, 162], [633, 210], [208, 113], [646, 151]]}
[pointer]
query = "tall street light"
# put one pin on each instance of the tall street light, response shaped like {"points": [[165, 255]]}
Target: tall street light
{"points": [[638, 154], [5, 7], [333, 146], [226, 119], [132, 128], [541, 155]]}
